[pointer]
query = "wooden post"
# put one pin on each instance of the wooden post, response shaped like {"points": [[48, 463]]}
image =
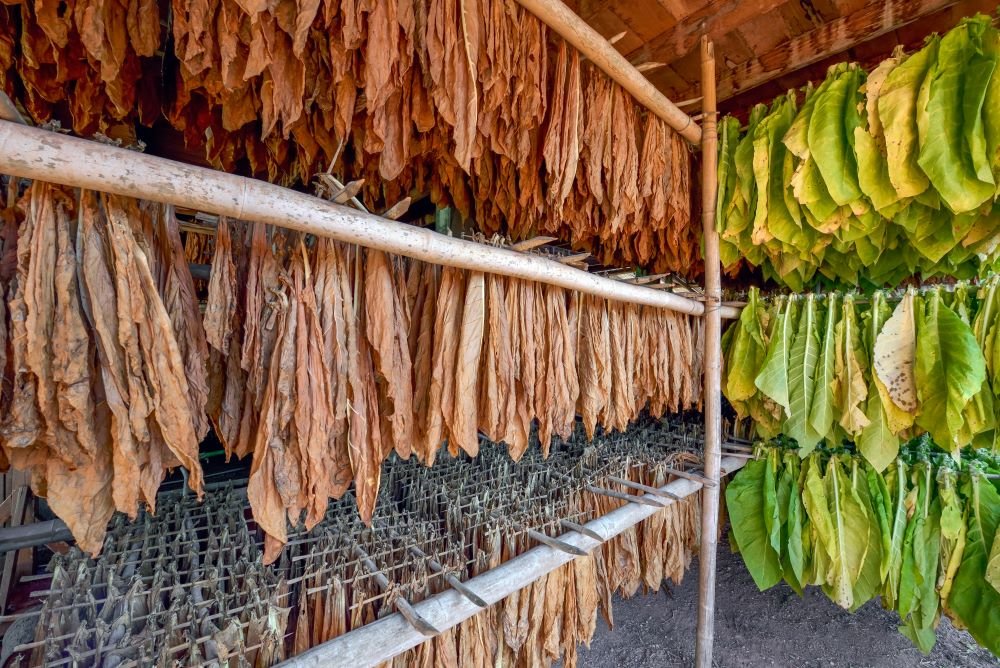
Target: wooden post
{"points": [[712, 400]]}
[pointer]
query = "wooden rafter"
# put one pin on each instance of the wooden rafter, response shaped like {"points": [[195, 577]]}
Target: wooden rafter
{"points": [[713, 19], [873, 20]]}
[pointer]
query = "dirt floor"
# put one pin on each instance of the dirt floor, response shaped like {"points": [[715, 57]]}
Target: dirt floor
{"points": [[773, 628]]}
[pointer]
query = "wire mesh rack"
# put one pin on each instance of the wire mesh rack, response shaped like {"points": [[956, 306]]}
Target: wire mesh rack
{"points": [[187, 586]]}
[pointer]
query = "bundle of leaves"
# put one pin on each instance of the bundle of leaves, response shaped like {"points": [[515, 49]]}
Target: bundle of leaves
{"points": [[873, 176], [825, 368], [922, 535]]}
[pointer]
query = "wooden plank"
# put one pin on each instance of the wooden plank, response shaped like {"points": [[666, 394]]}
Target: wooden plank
{"points": [[874, 20], [714, 18]]}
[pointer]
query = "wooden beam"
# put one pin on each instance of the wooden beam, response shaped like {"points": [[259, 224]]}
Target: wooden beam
{"points": [[714, 19], [48, 156], [601, 53], [873, 20]]}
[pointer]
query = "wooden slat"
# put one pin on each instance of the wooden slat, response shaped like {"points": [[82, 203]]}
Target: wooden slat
{"points": [[715, 18], [874, 20]]}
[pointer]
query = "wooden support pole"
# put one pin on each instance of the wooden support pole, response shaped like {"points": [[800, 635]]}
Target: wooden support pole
{"points": [[392, 635], [48, 156], [712, 401], [599, 51]]}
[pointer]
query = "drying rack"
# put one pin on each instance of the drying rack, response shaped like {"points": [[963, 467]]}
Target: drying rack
{"points": [[168, 587], [48, 156]]}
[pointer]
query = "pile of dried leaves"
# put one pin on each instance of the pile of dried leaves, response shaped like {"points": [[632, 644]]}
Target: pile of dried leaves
{"points": [[472, 102]]}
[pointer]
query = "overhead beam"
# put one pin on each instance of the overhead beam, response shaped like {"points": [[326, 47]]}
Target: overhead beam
{"points": [[606, 57], [873, 20]]}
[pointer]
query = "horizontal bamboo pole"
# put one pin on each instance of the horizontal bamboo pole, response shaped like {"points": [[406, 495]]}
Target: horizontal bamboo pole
{"points": [[606, 57], [381, 640], [56, 158]]}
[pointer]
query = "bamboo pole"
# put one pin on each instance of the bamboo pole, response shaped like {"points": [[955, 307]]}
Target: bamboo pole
{"points": [[606, 57], [390, 636], [712, 364], [48, 156]]}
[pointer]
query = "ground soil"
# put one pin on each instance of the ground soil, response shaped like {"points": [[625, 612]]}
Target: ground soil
{"points": [[772, 628]]}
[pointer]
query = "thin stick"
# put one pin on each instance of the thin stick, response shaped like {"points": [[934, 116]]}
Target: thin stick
{"points": [[644, 488]]}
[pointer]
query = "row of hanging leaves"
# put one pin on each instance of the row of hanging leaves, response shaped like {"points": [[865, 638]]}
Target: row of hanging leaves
{"points": [[875, 176], [922, 535], [827, 368]]}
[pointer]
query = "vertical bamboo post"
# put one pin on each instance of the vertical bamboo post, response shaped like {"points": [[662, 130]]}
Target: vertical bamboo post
{"points": [[712, 399]]}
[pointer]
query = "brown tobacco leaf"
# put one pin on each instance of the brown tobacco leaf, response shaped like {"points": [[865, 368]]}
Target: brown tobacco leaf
{"points": [[497, 403], [313, 416], [387, 336], [365, 436], [534, 644], [222, 292], [594, 362], [562, 139], [421, 341], [551, 635], [464, 421], [569, 617], [523, 334], [585, 572], [447, 330], [335, 304], [176, 287], [274, 484], [162, 384]]}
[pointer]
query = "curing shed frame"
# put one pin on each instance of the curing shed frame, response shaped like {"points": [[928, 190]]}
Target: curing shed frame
{"points": [[38, 154], [51, 157]]}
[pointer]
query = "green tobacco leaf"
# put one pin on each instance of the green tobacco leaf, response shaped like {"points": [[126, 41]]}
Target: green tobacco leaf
{"points": [[919, 626], [821, 413], [866, 587], [745, 503], [851, 390], [877, 442], [803, 358], [944, 156], [817, 507], [745, 354], [893, 360], [773, 377], [897, 108], [850, 534], [949, 370], [831, 135], [896, 482], [974, 605], [881, 508], [991, 105], [953, 529], [796, 551], [978, 74]]}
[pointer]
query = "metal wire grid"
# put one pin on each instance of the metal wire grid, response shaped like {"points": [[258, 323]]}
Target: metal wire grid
{"points": [[166, 588]]}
